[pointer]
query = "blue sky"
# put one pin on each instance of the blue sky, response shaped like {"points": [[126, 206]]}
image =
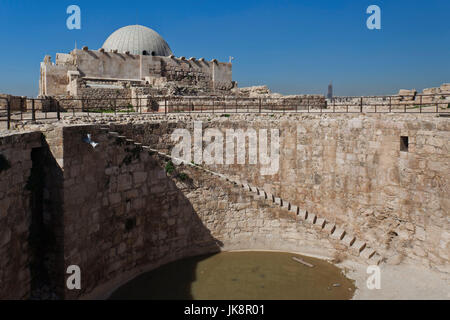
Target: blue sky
{"points": [[292, 46]]}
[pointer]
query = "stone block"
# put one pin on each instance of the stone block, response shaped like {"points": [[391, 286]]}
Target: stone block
{"points": [[294, 209], [278, 201], [357, 247], [338, 234], [311, 218], [367, 253], [262, 194], [139, 177], [375, 259], [237, 182], [348, 240], [320, 223], [254, 189], [286, 205], [246, 187], [303, 214]]}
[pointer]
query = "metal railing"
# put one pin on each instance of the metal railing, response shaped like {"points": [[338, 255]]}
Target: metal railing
{"points": [[33, 109]]}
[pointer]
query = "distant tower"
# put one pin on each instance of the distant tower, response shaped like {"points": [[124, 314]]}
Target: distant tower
{"points": [[330, 91]]}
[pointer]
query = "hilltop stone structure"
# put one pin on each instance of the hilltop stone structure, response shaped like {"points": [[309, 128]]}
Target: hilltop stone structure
{"points": [[132, 59], [135, 66], [365, 187]]}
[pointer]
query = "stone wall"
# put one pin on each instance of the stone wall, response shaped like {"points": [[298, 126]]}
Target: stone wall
{"points": [[54, 78], [350, 169], [119, 197], [15, 213], [157, 70], [16, 103], [430, 98], [141, 217]]}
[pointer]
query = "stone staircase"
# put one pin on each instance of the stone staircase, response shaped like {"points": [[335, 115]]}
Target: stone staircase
{"points": [[356, 247]]}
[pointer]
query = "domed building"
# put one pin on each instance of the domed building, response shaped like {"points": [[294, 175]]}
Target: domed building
{"points": [[133, 62], [137, 40]]}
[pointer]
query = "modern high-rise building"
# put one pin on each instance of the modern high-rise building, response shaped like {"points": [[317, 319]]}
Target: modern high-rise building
{"points": [[330, 91]]}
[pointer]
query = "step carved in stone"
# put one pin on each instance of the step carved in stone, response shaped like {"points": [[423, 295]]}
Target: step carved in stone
{"points": [[320, 223], [375, 259], [262, 194], [286, 205], [303, 214], [294, 209], [329, 228], [278, 201], [338, 234], [311, 218], [357, 247], [348, 240], [367, 253]]}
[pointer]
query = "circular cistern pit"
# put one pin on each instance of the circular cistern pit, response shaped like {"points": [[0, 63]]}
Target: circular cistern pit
{"points": [[246, 275]]}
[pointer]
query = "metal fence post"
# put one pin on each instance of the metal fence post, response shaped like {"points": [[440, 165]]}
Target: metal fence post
{"points": [[420, 105], [33, 111], [165, 105], [58, 113], [361, 105], [259, 105], [8, 110]]}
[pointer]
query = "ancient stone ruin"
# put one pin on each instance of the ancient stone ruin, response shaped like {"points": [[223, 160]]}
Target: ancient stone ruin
{"points": [[103, 191]]}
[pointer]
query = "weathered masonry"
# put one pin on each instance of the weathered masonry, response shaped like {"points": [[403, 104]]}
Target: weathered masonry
{"points": [[134, 58], [74, 74], [348, 185]]}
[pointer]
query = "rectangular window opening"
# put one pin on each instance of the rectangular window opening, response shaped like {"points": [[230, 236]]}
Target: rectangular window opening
{"points": [[404, 143]]}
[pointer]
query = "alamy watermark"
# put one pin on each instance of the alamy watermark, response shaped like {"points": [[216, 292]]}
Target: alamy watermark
{"points": [[374, 280], [74, 280], [74, 20], [374, 20], [216, 142]]}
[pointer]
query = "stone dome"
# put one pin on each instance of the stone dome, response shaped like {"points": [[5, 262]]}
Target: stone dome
{"points": [[137, 40]]}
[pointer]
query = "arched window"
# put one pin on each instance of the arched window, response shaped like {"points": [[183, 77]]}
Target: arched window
{"points": [[145, 53], [153, 53]]}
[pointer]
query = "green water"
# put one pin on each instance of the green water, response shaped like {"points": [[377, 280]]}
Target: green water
{"points": [[240, 275]]}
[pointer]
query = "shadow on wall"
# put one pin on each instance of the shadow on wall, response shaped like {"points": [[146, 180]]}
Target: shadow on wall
{"points": [[111, 210], [119, 197], [173, 283], [45, 184]]}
